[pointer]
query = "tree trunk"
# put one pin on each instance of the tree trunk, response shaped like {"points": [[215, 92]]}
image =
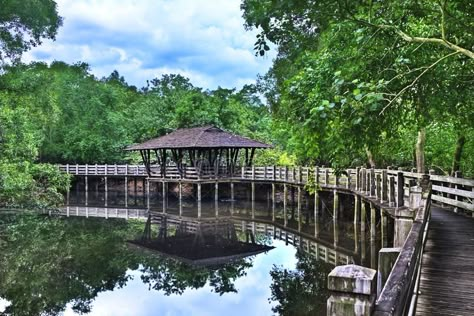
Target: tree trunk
{"points": [[458, 154], [420, 151], [370, 157]]}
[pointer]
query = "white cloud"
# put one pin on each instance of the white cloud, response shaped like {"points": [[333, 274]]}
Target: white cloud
{"points": [[204, 40]]}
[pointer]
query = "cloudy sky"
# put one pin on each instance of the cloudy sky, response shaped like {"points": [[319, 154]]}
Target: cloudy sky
{"points": [[143, 39]]}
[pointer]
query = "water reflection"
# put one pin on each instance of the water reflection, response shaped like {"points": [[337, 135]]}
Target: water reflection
{"points": [[79, 261]]}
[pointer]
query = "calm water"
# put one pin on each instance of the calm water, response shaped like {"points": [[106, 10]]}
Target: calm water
{"points": [[83, 264]]}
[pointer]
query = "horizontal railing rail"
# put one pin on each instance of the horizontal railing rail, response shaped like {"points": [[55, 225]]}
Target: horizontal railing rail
{"points": [[385, 185]]}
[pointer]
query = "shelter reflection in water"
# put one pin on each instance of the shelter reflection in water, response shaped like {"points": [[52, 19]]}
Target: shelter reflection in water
{"points": [[211, 241]]}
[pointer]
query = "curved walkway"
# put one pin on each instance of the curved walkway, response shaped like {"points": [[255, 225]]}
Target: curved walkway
{"points": [[447, 276]]}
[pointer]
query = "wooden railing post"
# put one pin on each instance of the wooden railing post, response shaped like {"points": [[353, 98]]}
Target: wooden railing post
{"points": [[457, 174], [348, 184], [357, 184], [372, 182], [286, 173], [243, 172], [384, 186], [274, 173], [400, 189], [299, 175], [326, 176], [253, 172], [391, 191], [316, 176]]}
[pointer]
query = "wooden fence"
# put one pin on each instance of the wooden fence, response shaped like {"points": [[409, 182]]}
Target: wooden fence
{"points": [[384, 185]]}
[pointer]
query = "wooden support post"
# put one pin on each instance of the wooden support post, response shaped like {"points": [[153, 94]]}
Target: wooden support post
{"points": [[274, 173], [148, 193], [300, 175], [316, 213], [326, 176], [356, 209], [106, 191], [384, 227], [180, 198], [335, 205], [253, 172], [199, 199], [373, 223], [232, 193], [86, 185], [286, 173], [363, 215], [164, 195], [216, 191], [253, 190], [126, 191], [273, 202], [400, 189], [335, 234], [299, 209], [285, 198]]}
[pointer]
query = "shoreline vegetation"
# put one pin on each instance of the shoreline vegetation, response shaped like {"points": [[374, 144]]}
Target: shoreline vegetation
{"points": [[347, 88]]}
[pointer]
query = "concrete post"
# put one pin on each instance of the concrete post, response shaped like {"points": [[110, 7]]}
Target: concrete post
{"points": [[384, 186], [86, 189], [106, 191], [352, 291], [384, 227], [357, 181], [216, 191], [232, 193], [387, 258]]}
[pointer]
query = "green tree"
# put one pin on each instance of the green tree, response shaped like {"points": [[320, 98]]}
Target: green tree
{"points": [[24, 24]]}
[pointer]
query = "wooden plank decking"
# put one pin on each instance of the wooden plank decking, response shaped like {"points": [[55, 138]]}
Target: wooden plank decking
{"points": [[447, 277]]}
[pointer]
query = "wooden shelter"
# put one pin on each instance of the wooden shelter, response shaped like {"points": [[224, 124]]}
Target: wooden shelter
{"points": [[206, 149]]}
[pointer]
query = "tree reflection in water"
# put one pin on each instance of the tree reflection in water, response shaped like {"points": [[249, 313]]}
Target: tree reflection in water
{"points": [[47, 263], [302, 291]]}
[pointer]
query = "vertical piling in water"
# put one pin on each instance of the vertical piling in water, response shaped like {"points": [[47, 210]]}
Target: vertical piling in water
{"points": [[199, 199], [299, 208], [273, 201], [180, 198], [126, 191], [285, 197]]}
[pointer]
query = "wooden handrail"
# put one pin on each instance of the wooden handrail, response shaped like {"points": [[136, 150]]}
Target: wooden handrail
{"points": [[375, 183]]}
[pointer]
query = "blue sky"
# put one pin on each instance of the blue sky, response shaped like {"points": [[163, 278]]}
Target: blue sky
{"points": [[143, 39]]}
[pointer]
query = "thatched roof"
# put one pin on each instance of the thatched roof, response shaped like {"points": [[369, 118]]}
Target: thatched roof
{"points": [[199, 137]]}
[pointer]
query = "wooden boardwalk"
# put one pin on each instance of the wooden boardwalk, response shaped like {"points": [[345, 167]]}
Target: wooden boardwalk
{"points": [[447, 278]]}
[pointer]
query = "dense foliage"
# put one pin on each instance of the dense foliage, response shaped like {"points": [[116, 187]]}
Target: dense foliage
{"points": [[371, 81]]}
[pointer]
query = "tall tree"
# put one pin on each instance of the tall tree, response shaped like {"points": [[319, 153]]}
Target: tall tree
{"points": [[24, 24]]}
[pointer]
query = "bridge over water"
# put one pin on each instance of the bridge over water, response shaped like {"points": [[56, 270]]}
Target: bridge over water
{"points": [[425, 269]]}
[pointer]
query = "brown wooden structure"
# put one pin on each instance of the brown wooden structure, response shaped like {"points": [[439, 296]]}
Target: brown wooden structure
{"points": [[206, 149]]}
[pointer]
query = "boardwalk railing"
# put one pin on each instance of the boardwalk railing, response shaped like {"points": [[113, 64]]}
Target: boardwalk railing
{"points": [[398, 296], [385, 185]]}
